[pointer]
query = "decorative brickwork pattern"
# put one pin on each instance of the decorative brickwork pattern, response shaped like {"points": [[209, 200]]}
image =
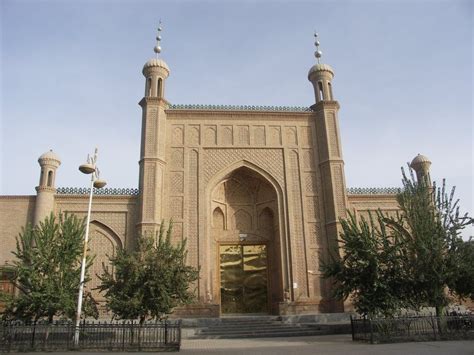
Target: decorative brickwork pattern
{"points": [[244, 135], [332, 135], [297, 237], [177, 208], [150, 133], [291, 138], [308, 159], [275, 135], [102, 247], [210, 135], [193, 135], [227, 135], [239, 108], [312, 208], [192, 209], [176, 182], [104, 191], [178, 135], [311, 186], [374, 190], [149, 198], [259, 135], [271, 160], [306, 138], [339, 190], [177, 158], [117, 221], [177, 232]]}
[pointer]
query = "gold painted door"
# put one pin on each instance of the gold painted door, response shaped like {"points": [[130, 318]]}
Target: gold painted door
{"points": [[244, 281]]}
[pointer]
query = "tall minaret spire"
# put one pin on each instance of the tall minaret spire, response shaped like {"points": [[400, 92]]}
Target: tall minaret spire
{"points": [[157, 48], [330, 160], [318, 53], [153, 142]]}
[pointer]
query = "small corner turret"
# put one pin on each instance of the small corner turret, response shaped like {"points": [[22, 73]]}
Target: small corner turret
{"points": [[156, 71], [45, 191], [321, 75]]}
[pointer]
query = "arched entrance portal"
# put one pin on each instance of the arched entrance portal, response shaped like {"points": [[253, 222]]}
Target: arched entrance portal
{"points": [[245, 234]]}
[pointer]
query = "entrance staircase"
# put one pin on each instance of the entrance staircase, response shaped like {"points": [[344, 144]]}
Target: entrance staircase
{"points": [[263, 327]]}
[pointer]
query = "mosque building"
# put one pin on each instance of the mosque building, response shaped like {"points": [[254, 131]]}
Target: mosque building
{"points": [[257, 191]]}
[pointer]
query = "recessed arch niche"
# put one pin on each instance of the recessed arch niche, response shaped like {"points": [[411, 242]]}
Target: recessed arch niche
{"points": [[244, 211]]}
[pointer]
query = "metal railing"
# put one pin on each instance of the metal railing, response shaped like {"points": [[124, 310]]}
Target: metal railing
{"points": [[111, 335], [419, 328]]}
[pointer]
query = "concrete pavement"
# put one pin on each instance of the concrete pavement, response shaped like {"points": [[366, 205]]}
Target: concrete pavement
{"points": [[314, 345], [326, 344]]}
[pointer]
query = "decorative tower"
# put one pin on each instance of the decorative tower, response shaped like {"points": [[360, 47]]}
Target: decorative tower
{"points": [[330, 159], [421, 164], [49, 163], [152, 152]]}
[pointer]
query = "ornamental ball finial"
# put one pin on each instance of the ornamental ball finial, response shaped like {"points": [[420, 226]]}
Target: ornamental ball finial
{"points": [[157, 49], [318, 54]]}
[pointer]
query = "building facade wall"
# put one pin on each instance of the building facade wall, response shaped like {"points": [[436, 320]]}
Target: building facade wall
{"points": [[15, 213]]}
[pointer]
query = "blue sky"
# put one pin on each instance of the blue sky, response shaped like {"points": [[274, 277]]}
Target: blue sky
{"points": [[71, 79]]}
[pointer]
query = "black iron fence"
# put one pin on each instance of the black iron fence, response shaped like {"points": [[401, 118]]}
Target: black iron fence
{"points": [[419, 328], [117, 336]]}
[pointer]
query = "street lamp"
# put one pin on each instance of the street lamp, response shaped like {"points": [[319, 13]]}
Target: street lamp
{"points": [[89, 167]]}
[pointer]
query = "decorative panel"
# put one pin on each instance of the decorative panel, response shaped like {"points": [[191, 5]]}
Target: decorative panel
{"points": [[177, 158], [259, 135], [308, 159], [271, 160], [227, 135], [305, 136], [177, 134], [176, 207], [275, 135], [297, 236], [176, 182], [332, 134], [291, 138], [192, 209], [193, 135], [210, 135], [243, 135]]}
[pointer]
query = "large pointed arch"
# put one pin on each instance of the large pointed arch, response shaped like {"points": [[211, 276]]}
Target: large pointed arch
{"points": [[278, 243]]}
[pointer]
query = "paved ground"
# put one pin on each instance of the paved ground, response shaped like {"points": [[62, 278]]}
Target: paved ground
{"points": [[316, 345]]}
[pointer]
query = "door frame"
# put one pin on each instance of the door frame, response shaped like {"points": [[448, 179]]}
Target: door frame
{"points": [[269, 263]]}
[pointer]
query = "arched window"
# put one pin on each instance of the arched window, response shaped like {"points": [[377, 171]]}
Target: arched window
{"points": [[50, 178], [320, 91], [41, 177], [148, 87], [218, 219], [330, 90], [159, 87]]}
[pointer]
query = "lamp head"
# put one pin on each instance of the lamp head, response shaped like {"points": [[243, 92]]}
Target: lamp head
{"points": [[99, 183], [87, 168]]}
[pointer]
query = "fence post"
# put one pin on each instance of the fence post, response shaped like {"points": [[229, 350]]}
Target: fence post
{"points": [[352, 328], [434, 326], [371, 331], [166, 332]]}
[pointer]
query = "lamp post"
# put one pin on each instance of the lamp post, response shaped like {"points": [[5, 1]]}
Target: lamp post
{"points": [[89, 167]]}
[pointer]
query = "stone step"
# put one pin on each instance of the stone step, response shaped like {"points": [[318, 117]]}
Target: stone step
{"points": [[262, 334], [251, 329], [248, 326]]}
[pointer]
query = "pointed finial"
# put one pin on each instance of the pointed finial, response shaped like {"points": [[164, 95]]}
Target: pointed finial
{"points": [[318, 53], [157, 48]]}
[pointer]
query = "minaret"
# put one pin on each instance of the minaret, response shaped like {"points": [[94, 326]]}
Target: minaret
{"points": [[330, 159], [49, 162], [421, 164], [153, 138]]}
